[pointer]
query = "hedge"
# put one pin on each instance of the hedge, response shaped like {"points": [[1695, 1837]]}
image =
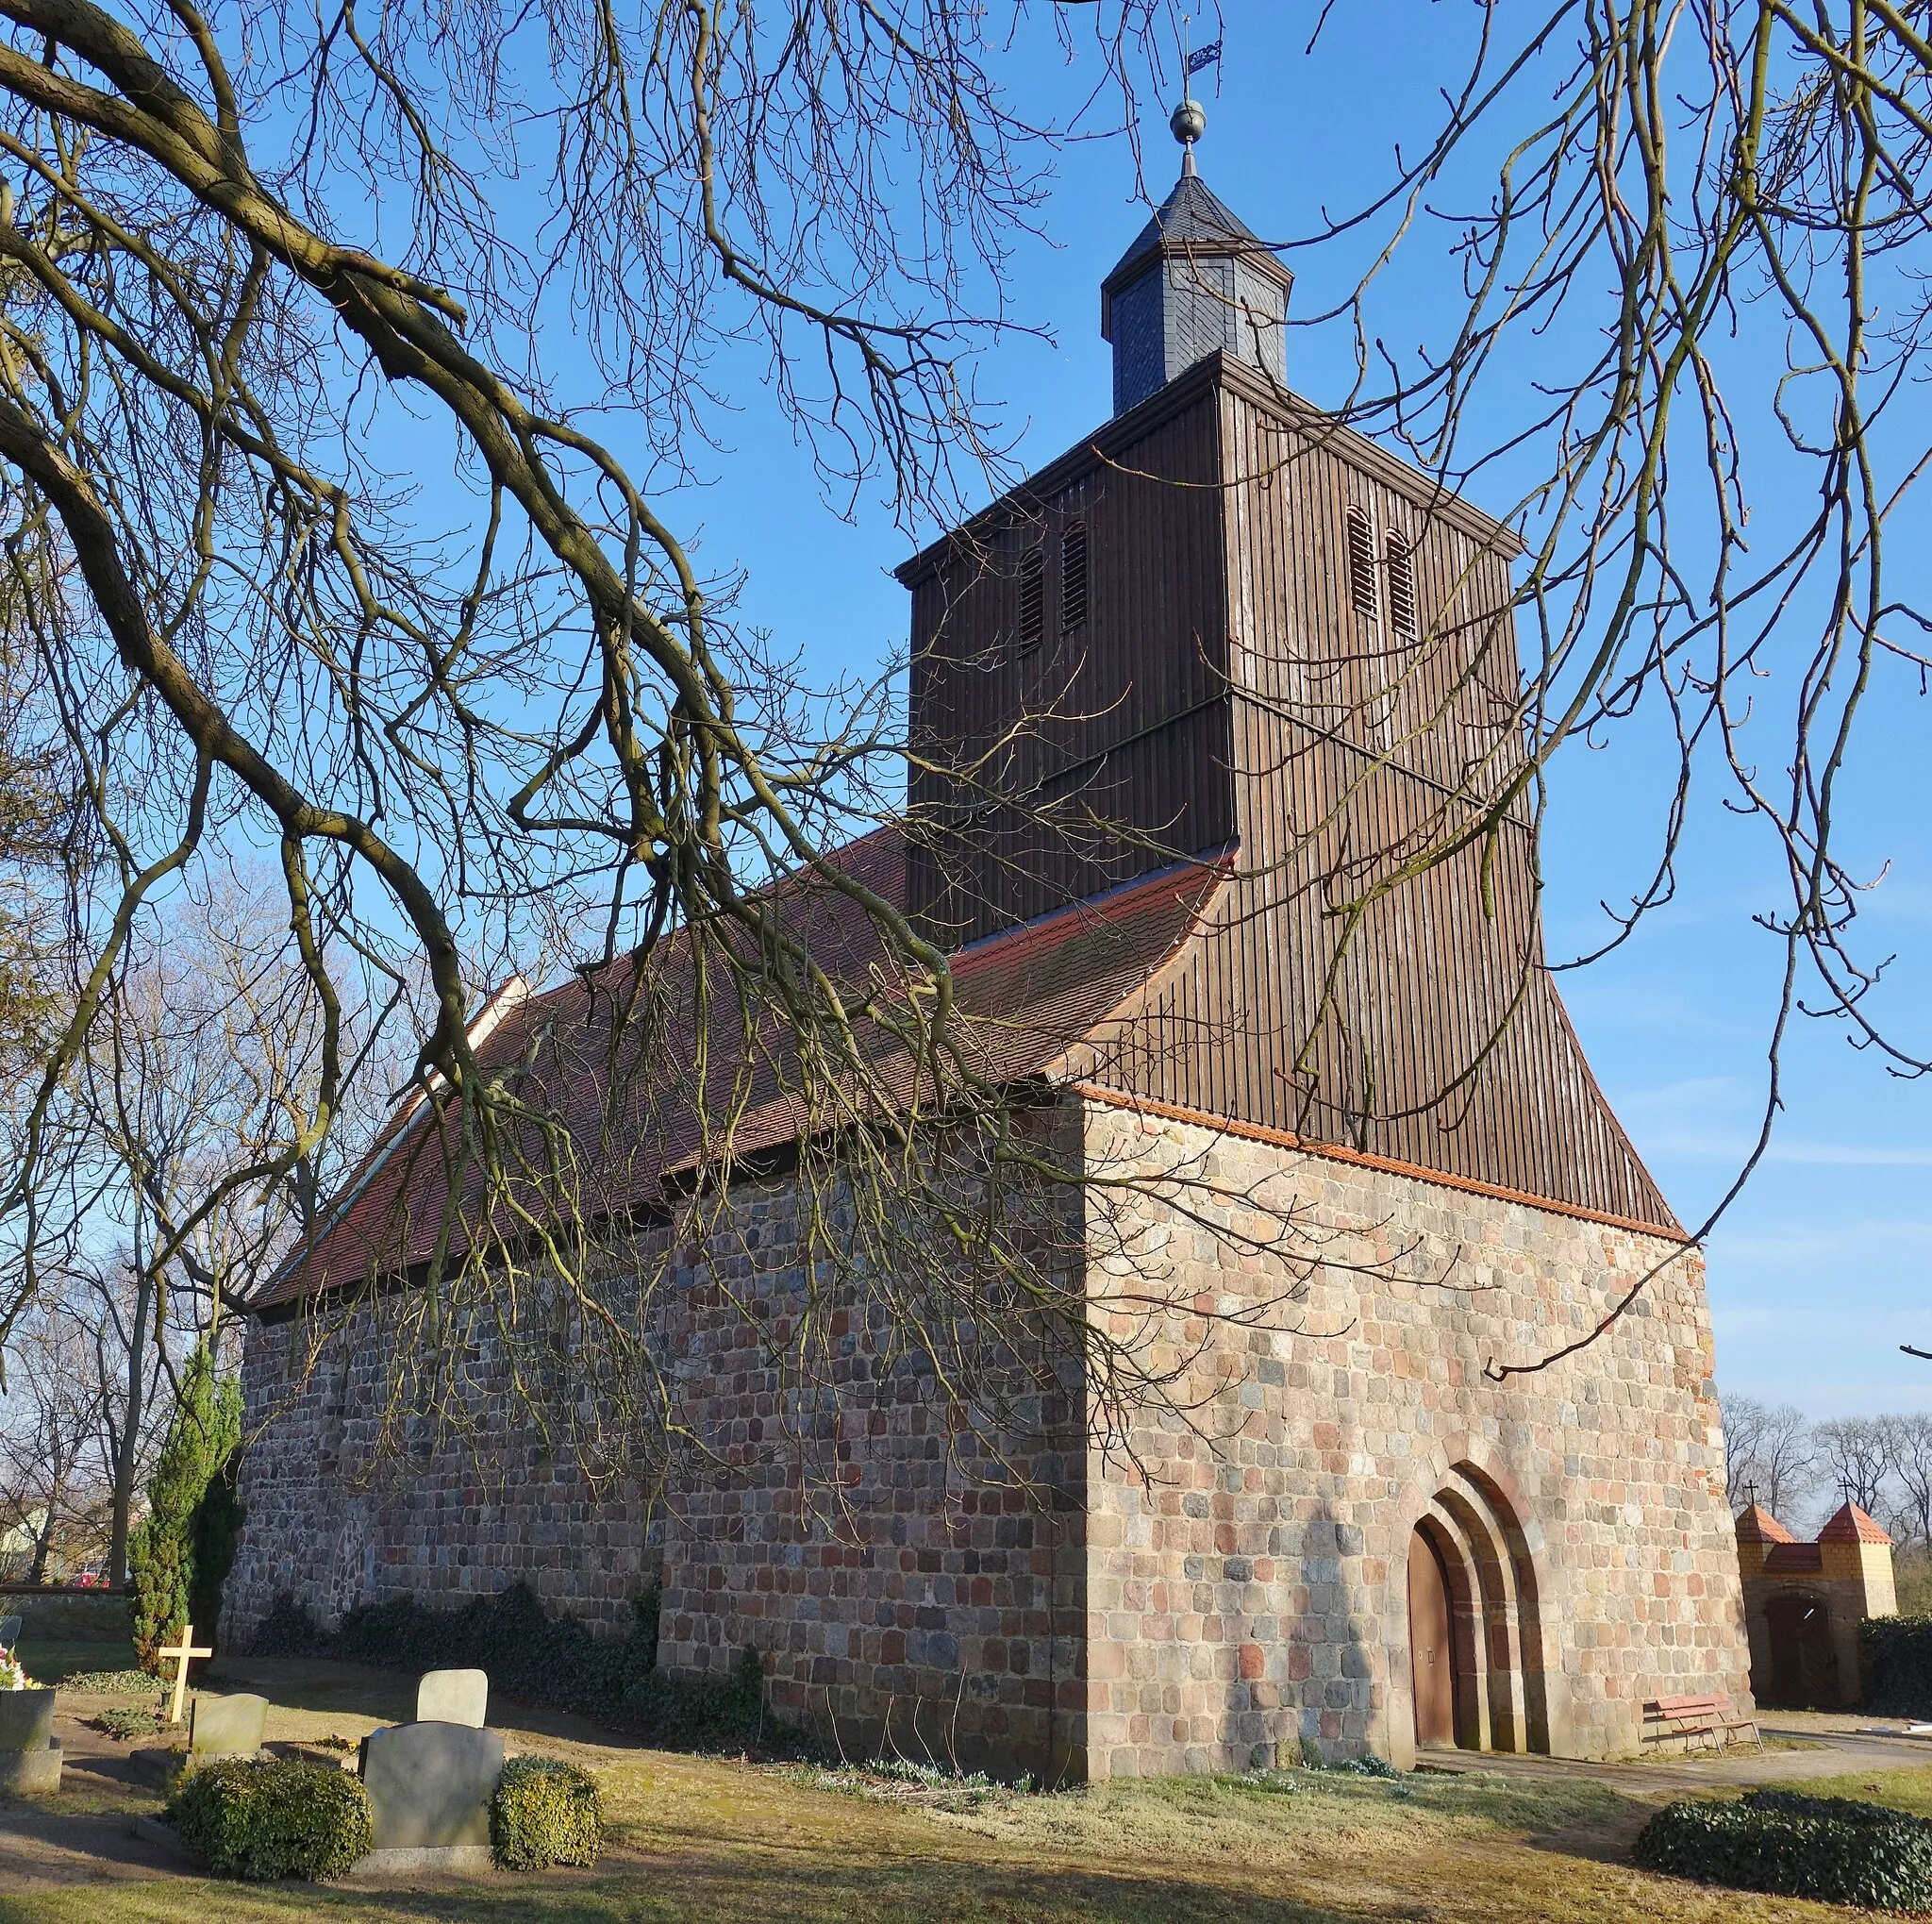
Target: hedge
{"points": [[271, 1818], [1896, 1660], [545, 1660], [1796, 1846], [545, 1811]]}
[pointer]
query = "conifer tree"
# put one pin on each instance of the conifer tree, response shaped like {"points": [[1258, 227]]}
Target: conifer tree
{"points": [[181, 1555]]}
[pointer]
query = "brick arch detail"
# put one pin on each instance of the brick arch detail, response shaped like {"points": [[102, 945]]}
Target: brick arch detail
{"points": [[1436, 1469], [1469, 1502]]}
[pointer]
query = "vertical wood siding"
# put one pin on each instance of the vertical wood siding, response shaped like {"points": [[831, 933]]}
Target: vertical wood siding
{"points": [[1111, 739], [1353, 983]]}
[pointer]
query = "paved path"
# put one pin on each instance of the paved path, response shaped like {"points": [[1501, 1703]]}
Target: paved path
{"points": [[1845, 1745]]}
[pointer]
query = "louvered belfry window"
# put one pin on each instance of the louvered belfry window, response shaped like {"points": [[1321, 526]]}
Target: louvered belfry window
{"points": [[1401, 583], [1032, 598], [1073, 577], [1361, 562]]}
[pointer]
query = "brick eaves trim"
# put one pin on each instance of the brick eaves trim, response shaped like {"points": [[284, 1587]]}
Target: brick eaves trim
{"points": [[1334, 1152]]}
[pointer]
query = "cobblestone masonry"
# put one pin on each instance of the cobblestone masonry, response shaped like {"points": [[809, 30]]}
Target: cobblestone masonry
{"points": [[1246, 1588], [941, 1599], [1227, 1589]]}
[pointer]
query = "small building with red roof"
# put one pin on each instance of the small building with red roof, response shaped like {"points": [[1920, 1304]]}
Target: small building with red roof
{"points": [[1804, 1603]]}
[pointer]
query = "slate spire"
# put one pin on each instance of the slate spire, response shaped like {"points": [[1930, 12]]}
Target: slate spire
{"points": [[1195, 281]]}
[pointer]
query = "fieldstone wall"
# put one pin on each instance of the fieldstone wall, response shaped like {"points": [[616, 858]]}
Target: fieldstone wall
{"points": [[912, 1576], [346, 1506], [1222, 1584], [909, 1578], [1248, 1551], [72, 1613]]}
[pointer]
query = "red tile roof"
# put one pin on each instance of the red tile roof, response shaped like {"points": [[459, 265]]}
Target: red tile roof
{"points": [[622, 1069], [1758, 1524], [1849, 1524]]}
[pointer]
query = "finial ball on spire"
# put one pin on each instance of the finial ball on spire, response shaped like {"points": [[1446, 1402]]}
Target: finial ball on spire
{"points": [[1190, 121]]}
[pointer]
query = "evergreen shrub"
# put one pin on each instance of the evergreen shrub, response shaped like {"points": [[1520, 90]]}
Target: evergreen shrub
{"points": [[544, 1812], [264, 1819], [125, 1722], [1896, 1660], [109, 1682], [1796, 1846], [545, 1660]]}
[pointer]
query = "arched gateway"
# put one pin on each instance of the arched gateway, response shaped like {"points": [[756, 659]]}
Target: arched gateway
{"points": [[1475, 1645]]}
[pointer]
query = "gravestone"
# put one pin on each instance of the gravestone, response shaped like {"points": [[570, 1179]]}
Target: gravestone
{"points": [[429, 1786], [10, 1631], [29, 1757], [226, 1726], [27, 1719], [454, 1697]]}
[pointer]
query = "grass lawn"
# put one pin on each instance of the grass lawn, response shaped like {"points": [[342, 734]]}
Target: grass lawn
{"points": [[50, 1659], [1903, 1790], [702, 1839]]}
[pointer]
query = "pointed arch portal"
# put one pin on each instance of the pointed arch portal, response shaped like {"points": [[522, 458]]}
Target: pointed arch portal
{"points": [[1475, 1645]]}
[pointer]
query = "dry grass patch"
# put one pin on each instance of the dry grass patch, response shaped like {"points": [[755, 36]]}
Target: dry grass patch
{"points": [[705, 1841], [1903, 1790]]}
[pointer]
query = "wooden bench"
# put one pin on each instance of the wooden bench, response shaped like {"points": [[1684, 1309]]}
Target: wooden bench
{"points": [[1710, 1719]]}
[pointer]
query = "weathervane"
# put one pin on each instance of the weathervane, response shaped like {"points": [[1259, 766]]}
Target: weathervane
{"points": [[1190, 119]]}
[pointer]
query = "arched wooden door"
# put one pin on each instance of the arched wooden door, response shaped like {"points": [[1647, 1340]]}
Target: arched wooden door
{"points": [[1431, 1662], [1804, 1664]]}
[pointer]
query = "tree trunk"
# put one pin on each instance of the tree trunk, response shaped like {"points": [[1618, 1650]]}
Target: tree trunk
{"points": [[128, 1455], [37, 1570]]}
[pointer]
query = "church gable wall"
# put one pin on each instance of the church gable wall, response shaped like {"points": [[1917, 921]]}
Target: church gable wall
{"points": [[1423, 1026], [1247, 1583]]}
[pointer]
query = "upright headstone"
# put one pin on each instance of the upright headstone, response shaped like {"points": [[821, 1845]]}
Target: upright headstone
{"points": [[10, 1631], [27, 1719], [226, 1726], [29, 1757], [430, 1784], [454, 1697]]}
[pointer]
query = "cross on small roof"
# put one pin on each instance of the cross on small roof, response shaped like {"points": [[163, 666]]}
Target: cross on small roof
{"points": [[183, 1653]]}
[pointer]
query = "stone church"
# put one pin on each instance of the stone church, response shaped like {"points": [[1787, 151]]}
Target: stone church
{"points": [[1452, 1499]]}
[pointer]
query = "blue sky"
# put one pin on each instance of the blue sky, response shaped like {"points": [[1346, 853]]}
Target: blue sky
{"points": [[1818, 1271]]}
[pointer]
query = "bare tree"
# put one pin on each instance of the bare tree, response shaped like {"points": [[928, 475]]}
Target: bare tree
{"points": [[1769, 1454], [1694, 246], [123, 1316], [1855, 1454], [539, 732], [208, 1051], [49, 1467], [472, 751], [555, 707], [1909, 1458]]}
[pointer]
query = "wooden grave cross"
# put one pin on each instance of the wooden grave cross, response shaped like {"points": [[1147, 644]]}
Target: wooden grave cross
{"points": [[183, 1654]]}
